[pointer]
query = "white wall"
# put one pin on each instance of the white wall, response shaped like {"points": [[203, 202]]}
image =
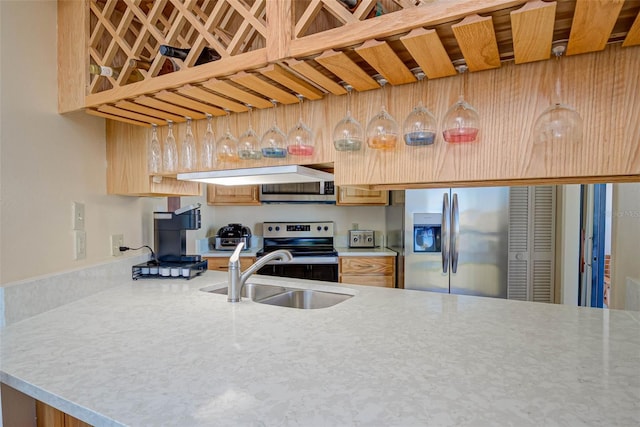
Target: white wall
{"points": [[47, 160], [214, 217], [626, 241]]}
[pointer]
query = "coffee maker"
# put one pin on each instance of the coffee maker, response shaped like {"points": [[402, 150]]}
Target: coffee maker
{"points": [[170, 242]]}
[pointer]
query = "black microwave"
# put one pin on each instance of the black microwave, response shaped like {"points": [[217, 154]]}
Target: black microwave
{"points": [[299, 192]]}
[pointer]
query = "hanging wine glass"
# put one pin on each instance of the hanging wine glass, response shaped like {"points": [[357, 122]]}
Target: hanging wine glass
{"points": [[227, 145], [208, 152], [274, 142], [249, 145], [188, 151], [382, 129], [559, 123], [420, 125], [347, 135], [461, 123], [170, 151], [300, 137], [155, 151]]}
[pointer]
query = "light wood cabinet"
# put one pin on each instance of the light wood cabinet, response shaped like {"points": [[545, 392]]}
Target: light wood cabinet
{"points": [[304, 47], [353, 196], [371, 271], [222, 263], [127, 171], [48, 416], [222, 195]]}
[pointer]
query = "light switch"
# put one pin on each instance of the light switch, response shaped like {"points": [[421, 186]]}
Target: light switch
{"points": [[78, 216]]}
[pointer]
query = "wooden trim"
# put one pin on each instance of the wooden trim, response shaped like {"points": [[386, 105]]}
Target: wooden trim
{"points": [[226, 66], [73, 31], [280, 74], [395, 23], [345, 68], [427, 50], [477, 41], [592, 24], [279, 29], [381, 57], [263, 87], [532, 27]]}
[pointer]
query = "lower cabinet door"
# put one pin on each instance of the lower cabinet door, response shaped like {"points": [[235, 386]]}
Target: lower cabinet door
{"points": [[48, 416], [382, 281]]}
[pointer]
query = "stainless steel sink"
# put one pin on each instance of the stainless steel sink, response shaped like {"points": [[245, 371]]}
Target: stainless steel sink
{"points": [[305, 298], [286, 297], [252, 291]]}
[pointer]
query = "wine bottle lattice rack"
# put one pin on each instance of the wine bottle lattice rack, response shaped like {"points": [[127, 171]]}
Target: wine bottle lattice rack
{"points": [[277, 49]]}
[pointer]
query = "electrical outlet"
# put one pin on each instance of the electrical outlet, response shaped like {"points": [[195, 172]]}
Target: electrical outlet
{"points": [[80, 244], [117, 240], [78, 216]]}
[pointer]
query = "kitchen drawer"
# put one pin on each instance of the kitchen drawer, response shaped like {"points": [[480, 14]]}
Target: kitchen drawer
{"points": [[370, 271], [381, 281], [367, 265], [222, 263]]}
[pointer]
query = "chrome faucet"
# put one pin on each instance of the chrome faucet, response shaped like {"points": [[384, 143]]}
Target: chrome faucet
{"points": [[237, 279]]}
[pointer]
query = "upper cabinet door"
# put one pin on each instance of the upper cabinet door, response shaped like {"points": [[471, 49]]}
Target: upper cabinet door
{"points": [[350, 196], [222, 195]]}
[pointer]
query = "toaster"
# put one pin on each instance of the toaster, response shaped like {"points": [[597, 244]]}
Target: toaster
{"points": [[362, 239]]}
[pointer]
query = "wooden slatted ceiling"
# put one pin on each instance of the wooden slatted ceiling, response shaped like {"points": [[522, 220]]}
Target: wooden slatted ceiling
{"points": [[212, 98], [116, 117], [633, 37], [119, 112], [192, 104], [231, 91], [427, 50], [532, 28], [263, 87], [592, 24], [381, 57], [280, 74], [165, 106], [344, 67], [307, 70], [143, 109], [477, 41]]}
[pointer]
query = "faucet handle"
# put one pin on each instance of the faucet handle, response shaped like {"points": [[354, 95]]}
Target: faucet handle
{"points": [[235, 256]]}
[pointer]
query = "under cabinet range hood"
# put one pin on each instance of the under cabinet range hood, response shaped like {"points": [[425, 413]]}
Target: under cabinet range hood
{"points": [[263, 175]]}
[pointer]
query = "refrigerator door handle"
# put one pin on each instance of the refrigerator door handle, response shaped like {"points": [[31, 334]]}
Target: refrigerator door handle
{"points": [[445, 233], [455, 231]]}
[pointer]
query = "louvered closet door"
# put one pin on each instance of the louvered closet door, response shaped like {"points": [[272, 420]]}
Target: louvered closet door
{"points": [[531, 243]]}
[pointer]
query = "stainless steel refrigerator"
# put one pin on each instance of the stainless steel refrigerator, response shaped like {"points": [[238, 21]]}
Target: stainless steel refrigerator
{"points": [[457, 240]]}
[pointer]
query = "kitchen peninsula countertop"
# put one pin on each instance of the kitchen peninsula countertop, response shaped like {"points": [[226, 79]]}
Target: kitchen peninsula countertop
{"points": [[346, 251], [161, 352]]}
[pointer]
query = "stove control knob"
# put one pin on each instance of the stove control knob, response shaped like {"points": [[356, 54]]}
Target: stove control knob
{"points": [[319, 228], [277, 228], [326, 228], [270, 228]]}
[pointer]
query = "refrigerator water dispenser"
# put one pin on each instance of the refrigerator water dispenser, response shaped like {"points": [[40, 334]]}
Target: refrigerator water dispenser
{"points": [[427, 232]]}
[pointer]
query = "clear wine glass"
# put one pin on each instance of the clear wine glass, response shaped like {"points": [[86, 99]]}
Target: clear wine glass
{"points": [[249, 145], [558, 123], [300, 137], [170, 151], [208, 152], [227, 145], [155, 151], [461, 123], [274, 142], [188, 149], [347, 135], [420, 125], [382, 129]]}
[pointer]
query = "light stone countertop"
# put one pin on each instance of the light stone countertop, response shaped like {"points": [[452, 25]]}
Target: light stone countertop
{"points": [[346, 251], [161, 352]]}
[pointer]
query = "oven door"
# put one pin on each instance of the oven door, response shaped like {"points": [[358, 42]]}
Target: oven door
{"points": [[311, 268]]}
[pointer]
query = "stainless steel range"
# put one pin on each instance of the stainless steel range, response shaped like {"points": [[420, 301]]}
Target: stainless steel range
{"points": [[310, 243]]}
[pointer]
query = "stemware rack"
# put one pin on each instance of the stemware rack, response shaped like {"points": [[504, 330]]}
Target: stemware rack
{"points": [[323, 44]]}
